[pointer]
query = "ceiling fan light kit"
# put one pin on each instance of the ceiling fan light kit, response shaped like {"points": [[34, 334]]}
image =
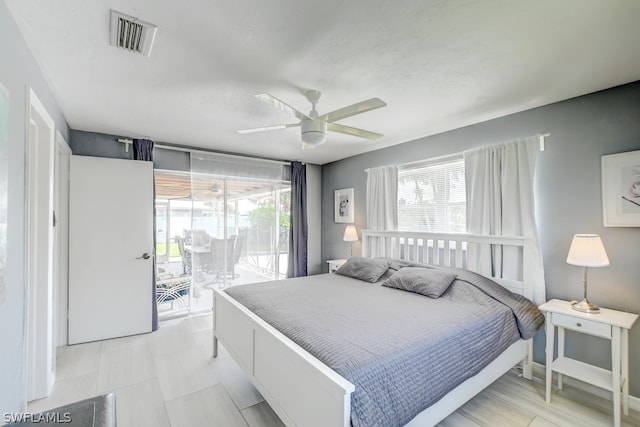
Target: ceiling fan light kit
{"points": [[314, 127], [314, 132]]}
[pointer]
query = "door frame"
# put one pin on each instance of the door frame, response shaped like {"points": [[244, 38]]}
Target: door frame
{"points": [[167, 240], [39, 331], [61, 238]]}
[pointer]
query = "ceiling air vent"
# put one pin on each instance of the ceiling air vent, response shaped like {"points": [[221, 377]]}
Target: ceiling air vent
{"points": [[132, 34]]}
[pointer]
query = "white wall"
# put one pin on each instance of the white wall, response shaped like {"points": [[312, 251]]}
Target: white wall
{"points": [[18, 70]]}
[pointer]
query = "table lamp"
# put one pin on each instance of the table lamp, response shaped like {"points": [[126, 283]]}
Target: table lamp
{"points": [[350, 235], [587, 250]]}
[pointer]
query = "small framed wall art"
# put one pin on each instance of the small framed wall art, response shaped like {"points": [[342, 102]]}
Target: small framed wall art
{"points": [[621, 189], [344, 205]]}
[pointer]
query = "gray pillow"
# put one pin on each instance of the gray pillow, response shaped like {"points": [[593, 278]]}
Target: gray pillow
{"points": [[367, 269], [425, 281], [394, 266]]}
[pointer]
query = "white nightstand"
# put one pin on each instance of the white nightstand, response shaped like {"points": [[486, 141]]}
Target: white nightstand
{"points": [[335, 264], [611, 324]]}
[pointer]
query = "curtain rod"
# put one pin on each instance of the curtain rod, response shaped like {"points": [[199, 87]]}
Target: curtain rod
{"points": [[541, 138], [237, 156], [429, 160], [434, 159], [128, 141]]}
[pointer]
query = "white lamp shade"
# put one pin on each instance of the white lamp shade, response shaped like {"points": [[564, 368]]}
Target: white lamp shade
{"points": [[350, 234], [587, 250]]}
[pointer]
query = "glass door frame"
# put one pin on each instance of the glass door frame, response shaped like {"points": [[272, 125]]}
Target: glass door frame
{"points": [[164, 204]]}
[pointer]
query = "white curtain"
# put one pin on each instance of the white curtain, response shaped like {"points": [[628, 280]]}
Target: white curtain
{"points": [[500, 201], [382, 207]]}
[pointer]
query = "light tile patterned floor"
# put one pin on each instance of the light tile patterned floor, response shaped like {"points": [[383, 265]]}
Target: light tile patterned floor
{"points": [[168, 378]]}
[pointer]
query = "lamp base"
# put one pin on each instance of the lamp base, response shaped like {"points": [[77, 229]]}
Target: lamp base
{"points": [[585, 306]]}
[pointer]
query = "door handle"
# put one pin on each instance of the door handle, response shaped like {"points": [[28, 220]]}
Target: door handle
{"points": [[145, 255]]}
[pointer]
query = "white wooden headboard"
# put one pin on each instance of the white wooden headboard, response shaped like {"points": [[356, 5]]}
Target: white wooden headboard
{"points": [[419, 247]]}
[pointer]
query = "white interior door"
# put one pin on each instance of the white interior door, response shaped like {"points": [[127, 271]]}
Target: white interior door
{"points": [[110, 231]]}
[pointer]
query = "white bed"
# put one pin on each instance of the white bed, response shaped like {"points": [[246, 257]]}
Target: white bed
{"points": [[305, 392]]}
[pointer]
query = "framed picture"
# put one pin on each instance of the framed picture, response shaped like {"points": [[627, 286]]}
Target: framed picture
{"points": [[344, 205], [621, 189]]}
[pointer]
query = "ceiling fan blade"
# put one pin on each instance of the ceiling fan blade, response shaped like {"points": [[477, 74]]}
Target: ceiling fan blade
{"points": [[280, 105], [266, 128], [352, 110], [353, 131]]}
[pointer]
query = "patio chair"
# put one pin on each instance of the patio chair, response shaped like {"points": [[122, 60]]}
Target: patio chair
{"points": [[185, 255], [173, 290], [237, 252], [200, 238], [216, 261]]}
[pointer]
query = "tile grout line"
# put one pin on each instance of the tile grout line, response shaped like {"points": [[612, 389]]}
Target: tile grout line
{"points": [[95, 391]]}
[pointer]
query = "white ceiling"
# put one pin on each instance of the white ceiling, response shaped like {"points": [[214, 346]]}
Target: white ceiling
{"points": [[439, 65]]}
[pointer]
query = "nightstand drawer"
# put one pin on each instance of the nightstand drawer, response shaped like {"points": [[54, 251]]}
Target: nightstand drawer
{"points": [[335, 264], [582, 325]]}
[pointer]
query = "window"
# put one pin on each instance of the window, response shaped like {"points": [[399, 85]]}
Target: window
{"points": [[432, 197]]}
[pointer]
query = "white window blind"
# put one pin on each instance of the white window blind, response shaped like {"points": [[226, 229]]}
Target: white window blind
{"points": [[432, 197]]}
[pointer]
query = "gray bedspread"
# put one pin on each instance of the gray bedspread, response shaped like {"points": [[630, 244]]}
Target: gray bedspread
{"points": [[402, 351]]}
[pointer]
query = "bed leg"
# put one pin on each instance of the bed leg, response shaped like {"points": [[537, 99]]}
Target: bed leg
{"points": [[527, 363]]}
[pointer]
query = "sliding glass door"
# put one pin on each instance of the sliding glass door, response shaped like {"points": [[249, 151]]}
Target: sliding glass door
{"points": [[174, 293], [240, 232], [261, 220], [214, 231]]}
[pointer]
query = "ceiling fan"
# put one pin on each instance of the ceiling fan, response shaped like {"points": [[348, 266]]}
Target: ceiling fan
{"points": [[313, 126]]}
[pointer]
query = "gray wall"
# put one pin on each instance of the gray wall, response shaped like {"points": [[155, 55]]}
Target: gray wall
{"points": [[314, 218], [18, 71], [568, 197], [103, 145]]}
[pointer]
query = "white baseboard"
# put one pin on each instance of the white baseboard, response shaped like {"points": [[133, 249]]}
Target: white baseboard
{"points": [[634, 402]]}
